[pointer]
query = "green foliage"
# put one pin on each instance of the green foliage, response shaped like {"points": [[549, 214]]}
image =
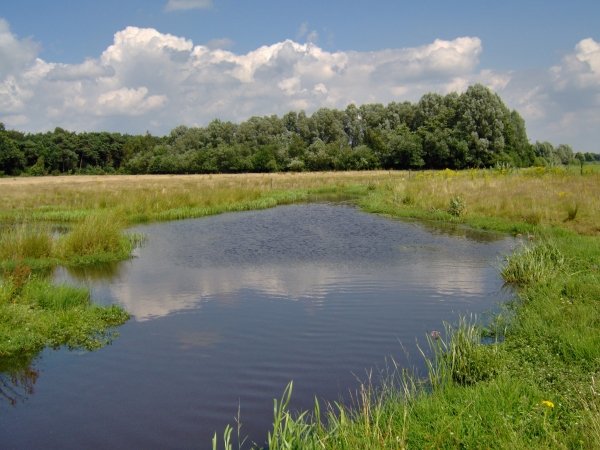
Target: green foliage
{"points": [[97, 233], [36, 314], [25, 241], [458, 206], [460, 357], [12, 159], [472, 129], [538, 262]]}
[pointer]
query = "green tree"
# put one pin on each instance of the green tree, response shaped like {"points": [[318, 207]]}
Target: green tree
{"points": [[518, 146], [565, 153], [12, 160], [482, 120], [404, 150]]}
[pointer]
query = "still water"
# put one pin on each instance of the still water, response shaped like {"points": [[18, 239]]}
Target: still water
{"points": [[228, 309]]}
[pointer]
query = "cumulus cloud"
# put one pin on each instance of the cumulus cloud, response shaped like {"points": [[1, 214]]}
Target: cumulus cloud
{"points": [[175, 5], [126, 101], [562, 104], [89, 70], [15, 54], [165, 80], [158, 81]]}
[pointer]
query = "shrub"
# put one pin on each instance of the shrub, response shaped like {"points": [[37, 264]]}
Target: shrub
{"points": [[458, 206]]}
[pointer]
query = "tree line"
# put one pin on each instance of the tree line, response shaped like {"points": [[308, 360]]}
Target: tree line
{"points": [[457, 131]]}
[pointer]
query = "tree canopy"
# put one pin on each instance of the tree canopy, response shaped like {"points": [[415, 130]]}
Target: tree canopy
{"points": [[472, 129]]}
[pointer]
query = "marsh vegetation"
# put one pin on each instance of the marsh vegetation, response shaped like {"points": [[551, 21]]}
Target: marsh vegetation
{"points": [[534, 385]]}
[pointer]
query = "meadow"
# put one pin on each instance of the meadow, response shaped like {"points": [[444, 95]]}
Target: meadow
{"points": [[523, 378]]}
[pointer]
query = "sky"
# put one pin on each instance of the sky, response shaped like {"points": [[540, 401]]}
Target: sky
{"points": [[150, 65]]}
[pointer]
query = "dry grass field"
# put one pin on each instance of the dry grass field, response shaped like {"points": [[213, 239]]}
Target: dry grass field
{"points": [[536, 196]]}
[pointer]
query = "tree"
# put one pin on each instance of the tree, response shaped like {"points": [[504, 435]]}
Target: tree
{"points": [[482, 120], [546, 151], [12, 160], [517, 143], [404, 150], [565, 153]]}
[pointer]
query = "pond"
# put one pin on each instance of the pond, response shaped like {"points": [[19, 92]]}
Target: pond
{"points": [[228, 309]]}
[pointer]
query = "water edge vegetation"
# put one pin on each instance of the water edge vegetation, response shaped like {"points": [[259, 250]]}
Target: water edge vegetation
{"points": [[533, 386]]}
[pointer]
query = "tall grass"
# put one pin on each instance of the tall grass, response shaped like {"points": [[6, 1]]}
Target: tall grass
{"points": [[25, 241], [535, 263], [95, 234]]}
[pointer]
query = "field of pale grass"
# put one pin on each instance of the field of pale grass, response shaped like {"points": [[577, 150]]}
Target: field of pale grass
{"points": [[536, 196]]}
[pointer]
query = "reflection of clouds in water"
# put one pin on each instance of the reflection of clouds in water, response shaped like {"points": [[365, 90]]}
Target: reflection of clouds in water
{"points": [[315, 253], [449, 278], [184, 288], [149, 295]]}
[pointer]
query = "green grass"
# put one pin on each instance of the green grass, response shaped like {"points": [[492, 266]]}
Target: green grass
{"points": [[35, 314]]}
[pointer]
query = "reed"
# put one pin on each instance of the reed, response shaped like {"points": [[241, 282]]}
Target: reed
{"points": [[97, 233], [22, 241]]}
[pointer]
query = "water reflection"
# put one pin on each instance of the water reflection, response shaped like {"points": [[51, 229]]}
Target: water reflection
{"points": [[293, 252], [17, 379]]}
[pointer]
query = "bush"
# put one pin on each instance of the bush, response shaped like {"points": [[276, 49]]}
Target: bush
{"points": [[458, 206]]}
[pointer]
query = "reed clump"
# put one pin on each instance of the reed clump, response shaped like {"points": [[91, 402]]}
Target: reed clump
{"points": [[25, 241], [94, 234]]}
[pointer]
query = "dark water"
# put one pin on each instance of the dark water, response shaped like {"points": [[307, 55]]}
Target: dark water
{"points": [[228, 309]]}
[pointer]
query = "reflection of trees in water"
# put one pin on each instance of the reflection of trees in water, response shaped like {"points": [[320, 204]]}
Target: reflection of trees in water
{"points": [[17, 382]]}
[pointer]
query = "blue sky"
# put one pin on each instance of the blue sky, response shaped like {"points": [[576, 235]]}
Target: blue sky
{"points": [[543, 58]]}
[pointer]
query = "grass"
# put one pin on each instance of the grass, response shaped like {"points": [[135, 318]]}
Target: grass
{"points": [[533, 386], [35, 314]]}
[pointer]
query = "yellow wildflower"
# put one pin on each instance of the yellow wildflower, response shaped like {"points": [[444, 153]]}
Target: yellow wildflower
{"points": [[548, 404]]}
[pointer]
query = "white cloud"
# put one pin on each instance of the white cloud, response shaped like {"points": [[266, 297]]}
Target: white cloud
{"points": [[302, 30], [15, 54], [221, 43], [176, 5], [562, 104], [159, 81], [127, 102]]}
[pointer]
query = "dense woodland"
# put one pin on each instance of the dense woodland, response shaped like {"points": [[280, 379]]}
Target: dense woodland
{"points": [[457, 131]]}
